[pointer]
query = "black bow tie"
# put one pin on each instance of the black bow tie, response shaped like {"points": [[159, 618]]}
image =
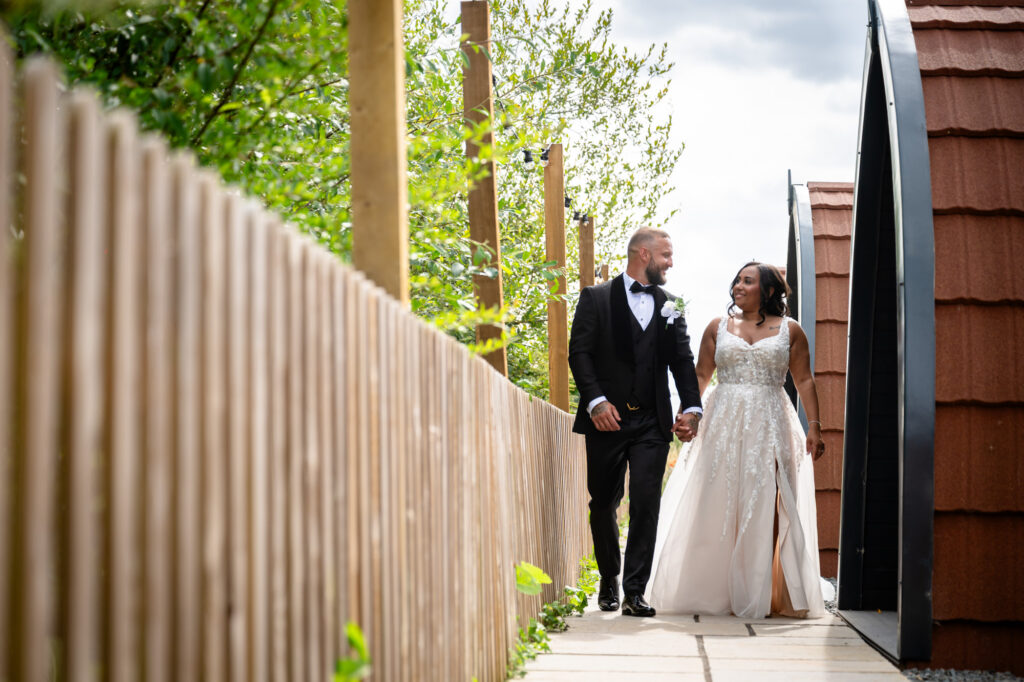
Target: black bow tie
{"points": [[636, 288]]}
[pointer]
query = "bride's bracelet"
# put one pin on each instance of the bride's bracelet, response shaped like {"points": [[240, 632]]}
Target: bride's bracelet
{"points": [[814, 421]]}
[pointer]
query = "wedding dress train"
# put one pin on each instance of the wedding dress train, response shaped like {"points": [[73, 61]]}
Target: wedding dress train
{"points": [[714, 553]]}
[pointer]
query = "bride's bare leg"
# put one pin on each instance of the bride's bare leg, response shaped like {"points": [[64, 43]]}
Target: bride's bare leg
{"points": [[781, 603]]}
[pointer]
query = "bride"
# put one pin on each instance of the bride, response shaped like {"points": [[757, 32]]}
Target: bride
{"points": [[715, 552]]}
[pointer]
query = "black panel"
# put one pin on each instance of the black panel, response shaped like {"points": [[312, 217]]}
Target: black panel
{"points": [[881, 504], [863, 278]]}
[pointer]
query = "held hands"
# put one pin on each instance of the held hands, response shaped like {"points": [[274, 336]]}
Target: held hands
{"points": [[685, 427], [815, 445], [605, 417]]}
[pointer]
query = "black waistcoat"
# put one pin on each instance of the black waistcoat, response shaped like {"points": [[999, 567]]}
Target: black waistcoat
{"points": [[644, 357]]}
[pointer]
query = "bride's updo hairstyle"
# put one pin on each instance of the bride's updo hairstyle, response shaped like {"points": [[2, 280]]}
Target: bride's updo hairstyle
{"points": [[774, 291]]}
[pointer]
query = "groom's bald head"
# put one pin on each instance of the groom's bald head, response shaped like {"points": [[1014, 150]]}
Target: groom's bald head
{"points": [[649, 255], [644, 238]]}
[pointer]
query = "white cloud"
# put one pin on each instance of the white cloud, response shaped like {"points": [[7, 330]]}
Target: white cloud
{"points": [[759, 88], [745, 123]]}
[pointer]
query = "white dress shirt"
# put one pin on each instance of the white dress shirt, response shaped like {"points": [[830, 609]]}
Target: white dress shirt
{"points": [[642, 305]]}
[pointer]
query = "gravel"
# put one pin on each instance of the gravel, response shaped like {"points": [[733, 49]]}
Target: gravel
{"points": [[946, 675]]}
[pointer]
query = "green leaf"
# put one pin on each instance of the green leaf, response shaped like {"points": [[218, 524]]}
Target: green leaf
{"points": [[204, 75], [530, 579]]}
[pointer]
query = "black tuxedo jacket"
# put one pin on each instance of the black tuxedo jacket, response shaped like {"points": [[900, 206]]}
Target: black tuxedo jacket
{"points": [[601, 354]]}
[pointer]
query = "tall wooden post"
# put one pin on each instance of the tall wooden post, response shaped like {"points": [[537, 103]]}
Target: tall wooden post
{"points": [[478, 106], [604, 272], [554, 231], [380, 231], [587, 272]]}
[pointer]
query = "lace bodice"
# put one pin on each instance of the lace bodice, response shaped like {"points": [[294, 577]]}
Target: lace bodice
{"points": [[762, 363]]}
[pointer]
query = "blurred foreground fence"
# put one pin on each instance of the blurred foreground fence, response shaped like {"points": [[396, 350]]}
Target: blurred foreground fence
{"points": [[219, 444]]}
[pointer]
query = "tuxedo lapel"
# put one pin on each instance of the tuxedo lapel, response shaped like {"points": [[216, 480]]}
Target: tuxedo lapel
{"points": [[666, 332], [620, 320]]}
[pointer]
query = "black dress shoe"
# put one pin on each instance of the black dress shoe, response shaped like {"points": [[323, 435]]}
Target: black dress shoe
{"points": [[636, 605], [608, 595]]}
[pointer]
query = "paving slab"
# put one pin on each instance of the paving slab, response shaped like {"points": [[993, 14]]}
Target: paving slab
{"points": [[597, 621], [640, 644], [757, 665], [802, 641], [591, 676], [766, 649], [605, 646], [838, 630], [616, 664], [813, 676]]}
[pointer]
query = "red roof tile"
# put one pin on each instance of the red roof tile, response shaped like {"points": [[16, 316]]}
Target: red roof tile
{"points": [[975, 356], [829, 560], [931, 16], [831, 223], [830, 194], [832, 400], [830, 348], [832, 256], [819, 185], [958, 3], [983, 175], [828, 471], [967, 645], [977, 462], [973, 106], [827, 503], [832, 299], [976, 258], [977, 572], [950, 53], [975, 121]]}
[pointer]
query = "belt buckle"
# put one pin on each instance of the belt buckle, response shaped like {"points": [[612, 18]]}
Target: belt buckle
{"points": [[631, 408]]}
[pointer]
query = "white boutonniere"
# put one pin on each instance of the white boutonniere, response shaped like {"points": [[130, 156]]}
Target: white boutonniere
{"points": [[672, 310]]}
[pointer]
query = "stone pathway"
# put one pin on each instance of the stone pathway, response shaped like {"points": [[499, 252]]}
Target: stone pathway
{"points": [[608, 646]]}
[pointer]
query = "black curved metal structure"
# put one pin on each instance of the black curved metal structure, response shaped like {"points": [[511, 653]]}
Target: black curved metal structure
{"points": [[886, 531], [801, 275]]}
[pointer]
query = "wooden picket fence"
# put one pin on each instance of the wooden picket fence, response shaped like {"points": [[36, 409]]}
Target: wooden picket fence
{"points": [[219, 444]]}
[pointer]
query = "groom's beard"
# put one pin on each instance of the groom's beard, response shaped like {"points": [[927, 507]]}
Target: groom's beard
{"points": [[654, 275]]}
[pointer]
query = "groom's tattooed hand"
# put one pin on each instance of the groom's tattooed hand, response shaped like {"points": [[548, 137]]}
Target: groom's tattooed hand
{"points": [[605, 417]]}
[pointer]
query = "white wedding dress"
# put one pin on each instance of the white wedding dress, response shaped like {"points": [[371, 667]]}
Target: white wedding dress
{"points": [[714, 553]]}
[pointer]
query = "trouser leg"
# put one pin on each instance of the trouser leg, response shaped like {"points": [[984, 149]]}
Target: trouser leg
{"points": [[606, 469], [646, 456]]}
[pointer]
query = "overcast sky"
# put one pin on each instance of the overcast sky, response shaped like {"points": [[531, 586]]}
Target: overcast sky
{"points": [[759, 87]]}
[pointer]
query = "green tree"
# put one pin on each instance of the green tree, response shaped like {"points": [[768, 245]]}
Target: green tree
{"points": [[259, 90]]}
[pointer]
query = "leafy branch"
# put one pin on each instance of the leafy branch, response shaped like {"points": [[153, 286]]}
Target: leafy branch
{"points": [[226, 96]]}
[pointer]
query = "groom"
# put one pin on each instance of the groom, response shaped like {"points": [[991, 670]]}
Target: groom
{"points": [[619, 349]]}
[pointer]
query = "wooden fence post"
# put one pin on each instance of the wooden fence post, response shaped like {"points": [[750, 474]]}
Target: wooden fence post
{"points": [[587, 272], [7, 338], [36, 380], [478, 106], [554, 231], [157, 465], [380, 231]]}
